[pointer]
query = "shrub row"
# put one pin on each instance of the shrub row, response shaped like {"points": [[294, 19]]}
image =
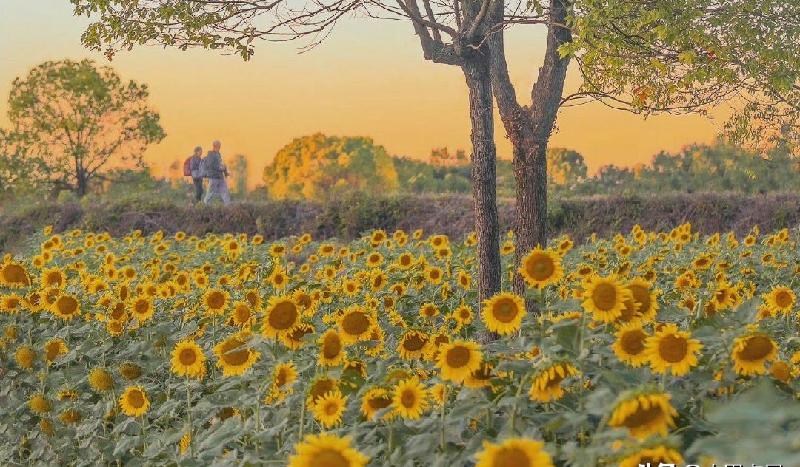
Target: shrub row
{"points": [[449, 214]]}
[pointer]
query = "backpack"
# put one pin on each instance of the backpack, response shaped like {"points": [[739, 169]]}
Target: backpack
{"points": [[187, 167]]}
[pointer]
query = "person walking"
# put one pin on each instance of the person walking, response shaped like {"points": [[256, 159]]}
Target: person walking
{"points": [[195, 171], [216, 172]]}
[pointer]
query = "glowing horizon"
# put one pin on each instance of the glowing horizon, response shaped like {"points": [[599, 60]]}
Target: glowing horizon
{"points": [[347, 86]]}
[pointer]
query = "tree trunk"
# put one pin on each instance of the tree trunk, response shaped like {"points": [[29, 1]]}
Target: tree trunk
{"points": [[530, 223], [484, 179], [529, 129]]}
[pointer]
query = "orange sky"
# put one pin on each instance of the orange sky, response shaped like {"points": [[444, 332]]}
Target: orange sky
{"points": [[369, 79]]}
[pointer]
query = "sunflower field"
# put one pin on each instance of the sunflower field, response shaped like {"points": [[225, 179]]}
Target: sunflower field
{"points": [[668, 348]]}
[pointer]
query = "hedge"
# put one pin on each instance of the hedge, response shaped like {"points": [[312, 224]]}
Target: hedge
{"points": [[448, 214]]}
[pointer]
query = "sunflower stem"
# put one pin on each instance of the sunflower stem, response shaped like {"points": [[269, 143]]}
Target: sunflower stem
{"points": [[302, 419], [444, 405], [189, 416]]}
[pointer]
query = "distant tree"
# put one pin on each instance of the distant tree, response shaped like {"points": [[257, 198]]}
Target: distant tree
{"points": [[77, 121], [239, 173], [565, 167], [18, 174], [319, 166]]}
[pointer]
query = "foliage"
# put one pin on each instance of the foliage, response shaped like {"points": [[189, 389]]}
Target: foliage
{"points": [[318, 167], [692, 55], [239, 171], [139, 296], [74, 122], [717, 167]]}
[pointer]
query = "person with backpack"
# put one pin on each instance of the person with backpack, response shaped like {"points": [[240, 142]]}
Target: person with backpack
{"points": [[216, 172], [193, 167]]}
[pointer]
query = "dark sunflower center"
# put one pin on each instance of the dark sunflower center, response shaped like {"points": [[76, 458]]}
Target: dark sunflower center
{"points": [[187, 357], [331, 347], [458, 357], [673, 348], [643, 417], [511, 457], [413, 342], [540, 267], [283, 316], [633, 342], [505, 310], [355, 323], [756, 348], [604, 296]]}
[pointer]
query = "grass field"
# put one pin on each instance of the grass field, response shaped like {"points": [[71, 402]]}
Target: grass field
{"points": [[227, 349]]}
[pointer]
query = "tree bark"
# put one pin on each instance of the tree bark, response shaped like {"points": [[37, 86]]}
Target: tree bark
{"points": [[484, 178], [529, 130]]}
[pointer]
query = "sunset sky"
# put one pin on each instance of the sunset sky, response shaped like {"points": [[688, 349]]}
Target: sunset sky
{"points": [[369, 78]]}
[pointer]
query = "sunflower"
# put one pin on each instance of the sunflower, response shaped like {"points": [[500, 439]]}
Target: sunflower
{"points": [[514, 452], [329, 408], [53, 277], [546, 385], [605, 298], [294, 338], [428, 310], [188, 359], [672, 350], [278, 278], [282, 316], [751, 353], [413, 345], [462, 315], [331, 352], [653, 456], [14, 275], [644, 297], [54, 348], [326, 450], [410, 398], [284, 375], [130, 371], [503, 313], [114, 327], [39, 404], [70, 417], [66, 307], [434, 275], [644, 414], [134, 401], [458, 360], [780, 299], [101, 380], [11, 303], [377, 279], [374, 400], [540, 268], [234, 356], [480, 378], [355, 325], [215, 301], [142, 309], [319, 387], [241, 315], [630, 345]]}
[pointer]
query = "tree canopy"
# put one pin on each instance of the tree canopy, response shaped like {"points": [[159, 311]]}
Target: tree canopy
{"points": [[318, 166], [73, 122]]}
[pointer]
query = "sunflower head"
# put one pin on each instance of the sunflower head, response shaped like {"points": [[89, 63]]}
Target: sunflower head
{"points": [[457, 360], [503, 313], [134, 401], [644, 414], [517, 452], [540, 268], [326, 449]]}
